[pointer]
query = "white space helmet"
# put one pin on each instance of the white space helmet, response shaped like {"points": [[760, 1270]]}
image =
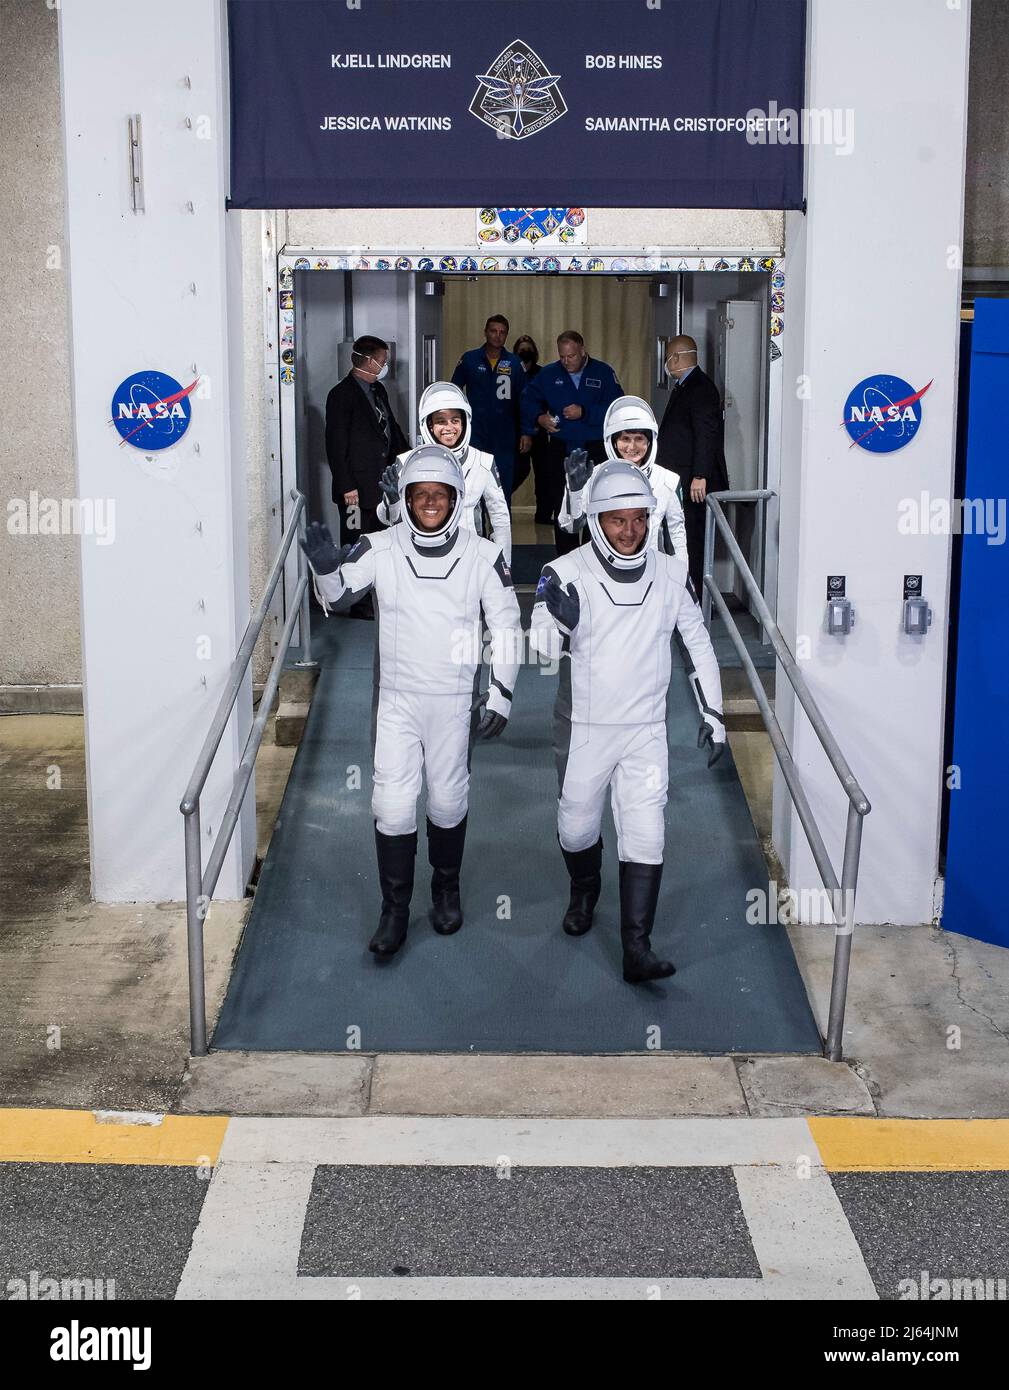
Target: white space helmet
{"points": [[442, 395], [631, 413], [432, 463], [616, 486]]}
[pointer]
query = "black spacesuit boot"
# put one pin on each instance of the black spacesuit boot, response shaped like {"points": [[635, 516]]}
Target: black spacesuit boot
{"points": [[584, 867], [444, 851], [639, 896], [396, 855]]}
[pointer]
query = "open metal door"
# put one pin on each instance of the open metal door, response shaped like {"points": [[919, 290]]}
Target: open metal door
{"points": [[740, 367], [667, 317], [426, 366]]}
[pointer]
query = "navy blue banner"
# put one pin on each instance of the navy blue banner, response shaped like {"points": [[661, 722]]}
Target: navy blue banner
{"points": [[456, 103]]}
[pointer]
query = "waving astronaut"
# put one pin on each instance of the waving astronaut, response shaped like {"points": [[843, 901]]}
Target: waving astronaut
{"points": [[630, 432], [610, 607], [431, 579], [446, 418]]}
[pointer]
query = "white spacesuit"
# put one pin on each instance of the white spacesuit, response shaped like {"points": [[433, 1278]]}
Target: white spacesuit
{"points": [[610, 608], [666, 528], [431, 578], [478, 469]]}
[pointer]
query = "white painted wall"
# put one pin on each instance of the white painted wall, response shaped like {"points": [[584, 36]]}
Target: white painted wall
{"points": [[178, 569], [883, 218]]}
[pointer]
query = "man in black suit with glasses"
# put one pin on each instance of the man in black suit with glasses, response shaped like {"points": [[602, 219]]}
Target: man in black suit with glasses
{"points": [[691, 443], [362, 438]]}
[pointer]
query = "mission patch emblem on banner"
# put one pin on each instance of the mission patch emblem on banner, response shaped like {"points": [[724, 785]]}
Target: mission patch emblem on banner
{"points": [[546, 228], [518, 96]]}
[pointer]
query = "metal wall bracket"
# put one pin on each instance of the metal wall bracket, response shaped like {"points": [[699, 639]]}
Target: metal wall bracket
{"points": [[136, 164]]}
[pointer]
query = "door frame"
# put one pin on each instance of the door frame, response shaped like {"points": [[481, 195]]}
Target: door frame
{"points": [[281, 309]]}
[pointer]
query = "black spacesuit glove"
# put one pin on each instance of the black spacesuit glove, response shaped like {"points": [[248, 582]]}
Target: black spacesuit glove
{"points": [[491, 726], [389, 484], [563, 606], [491, 723], [705, 739], [577, 469], [323, 554]]}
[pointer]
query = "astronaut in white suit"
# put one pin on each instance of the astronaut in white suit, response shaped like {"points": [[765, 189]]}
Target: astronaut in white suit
{"points": [[431, 579], [630, 432], [607, 611], [446, 418]]}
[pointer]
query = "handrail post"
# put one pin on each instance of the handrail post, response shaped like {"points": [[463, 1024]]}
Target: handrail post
{"points": [[842, 895], [833, 1047], [198, 895], [194, 935], [709, 565], [305, 622]]}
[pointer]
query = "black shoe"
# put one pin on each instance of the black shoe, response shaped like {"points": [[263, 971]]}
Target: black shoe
{"points": [[444, 852], [396, 856], [639, 896], [584, 868]]}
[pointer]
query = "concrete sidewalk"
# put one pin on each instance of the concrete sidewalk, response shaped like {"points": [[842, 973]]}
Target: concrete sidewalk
{"points": [[94, 1010]]}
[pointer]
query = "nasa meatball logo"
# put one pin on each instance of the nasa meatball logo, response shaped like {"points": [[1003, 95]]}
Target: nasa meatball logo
{"points": [[883, 413], [151, 410], [518, 96]]}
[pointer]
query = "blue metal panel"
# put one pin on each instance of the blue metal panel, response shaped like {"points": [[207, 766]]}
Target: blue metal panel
{"points": [[975, 898]]}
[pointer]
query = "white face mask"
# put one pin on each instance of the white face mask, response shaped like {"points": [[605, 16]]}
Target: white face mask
{"points": [[382, 372]]}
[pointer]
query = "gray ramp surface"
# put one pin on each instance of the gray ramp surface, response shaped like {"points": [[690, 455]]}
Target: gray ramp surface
{"points": [[510, 980]]}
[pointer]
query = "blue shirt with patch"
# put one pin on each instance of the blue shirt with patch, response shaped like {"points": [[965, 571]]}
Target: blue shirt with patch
{"points": [[493, 394], [595, 387]]}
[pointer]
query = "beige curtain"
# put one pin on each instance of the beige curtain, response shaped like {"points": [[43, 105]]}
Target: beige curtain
{"points": [[612, 316]]}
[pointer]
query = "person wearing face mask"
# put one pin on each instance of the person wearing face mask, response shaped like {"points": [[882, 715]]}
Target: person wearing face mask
{"points": [[691, 443], [568, 400], [432, 579], [362, 438], [608, 610], [534, 457], [446, 419], [493, 380], [631, 433]]}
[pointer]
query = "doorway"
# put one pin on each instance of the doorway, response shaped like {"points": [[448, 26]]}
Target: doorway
{"points": [[431, 317], [511, 981]]}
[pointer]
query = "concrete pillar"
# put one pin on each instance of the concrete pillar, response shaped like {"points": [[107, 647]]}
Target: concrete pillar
{"points": [[163, 606], [873, 286]]}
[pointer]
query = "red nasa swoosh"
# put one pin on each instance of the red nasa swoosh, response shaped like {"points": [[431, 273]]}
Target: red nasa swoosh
{"points": [[168, 400], [896, 405]]}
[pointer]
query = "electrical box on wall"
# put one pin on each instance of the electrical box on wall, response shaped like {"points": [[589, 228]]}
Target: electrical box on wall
{"points": [[345, 362], [917, 614], [840, 614]]}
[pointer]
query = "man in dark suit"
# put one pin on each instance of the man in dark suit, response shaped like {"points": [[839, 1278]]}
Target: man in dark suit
{"points": [[362, 439], [691, 443]]}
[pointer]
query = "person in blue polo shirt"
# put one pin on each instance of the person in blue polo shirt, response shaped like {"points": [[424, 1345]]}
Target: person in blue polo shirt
{"points": [[569, 399], [493, 380]]}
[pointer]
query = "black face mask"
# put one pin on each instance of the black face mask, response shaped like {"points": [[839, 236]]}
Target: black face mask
{"points": [[527, 355]]}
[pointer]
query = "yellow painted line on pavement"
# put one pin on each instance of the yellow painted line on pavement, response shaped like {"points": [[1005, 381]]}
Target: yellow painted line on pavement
{"points": [[910, 1146], [79, 1136]]}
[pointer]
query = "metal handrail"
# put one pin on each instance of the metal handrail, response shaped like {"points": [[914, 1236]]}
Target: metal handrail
{"points": [[842, 895], [200, 885]]}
